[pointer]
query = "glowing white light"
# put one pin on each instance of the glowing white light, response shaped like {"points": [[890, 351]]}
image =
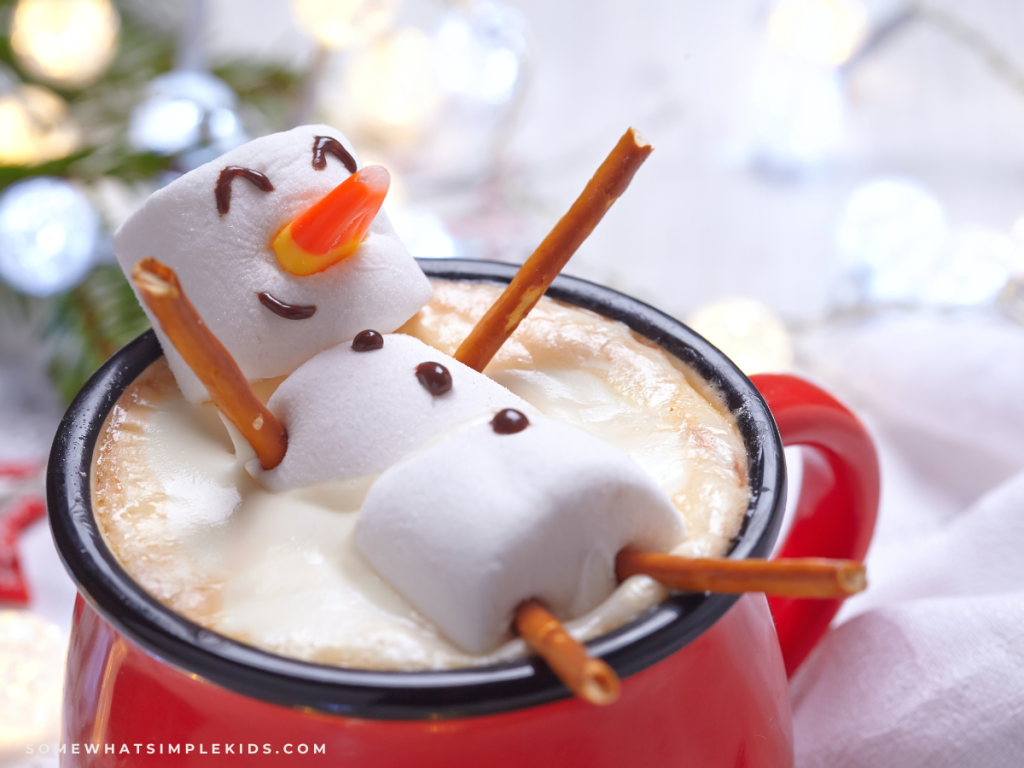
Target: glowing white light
{"points": [[48, 232], [824, 32], [51, 239], [892, 233], [65, 42], [184, 109], [975, 267], [344, 23], [392, 84], [35, 127], [478, 51], [423, 233], [166, 127], [748, 332], [797, 114], [31, 673]]}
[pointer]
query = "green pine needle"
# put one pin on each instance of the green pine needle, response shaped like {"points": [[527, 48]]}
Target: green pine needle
{"points": [[88, 325]]}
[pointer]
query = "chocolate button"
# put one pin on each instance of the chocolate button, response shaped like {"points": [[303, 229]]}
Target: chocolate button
{"points": [[509, 421], [434, 377], [367, 341]]}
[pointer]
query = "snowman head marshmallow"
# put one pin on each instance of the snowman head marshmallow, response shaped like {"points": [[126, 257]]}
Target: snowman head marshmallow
{"points": [[280, 246]]}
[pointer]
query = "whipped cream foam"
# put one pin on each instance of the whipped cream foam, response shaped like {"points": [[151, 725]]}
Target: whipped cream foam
{"points": [[280, 570]]}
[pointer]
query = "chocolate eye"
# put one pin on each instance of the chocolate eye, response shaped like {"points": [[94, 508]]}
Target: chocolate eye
{"points": [[509, 421], [367, 341], [434, 377], [229, 174], [328, 145]]}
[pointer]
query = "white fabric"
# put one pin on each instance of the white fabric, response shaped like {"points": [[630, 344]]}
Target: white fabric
{"points": [[478, 523], [926, 668], [224, 261], [351, 414]]}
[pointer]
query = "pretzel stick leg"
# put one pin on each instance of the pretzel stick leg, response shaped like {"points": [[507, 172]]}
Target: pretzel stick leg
{"points": [[590, 679], [534, 277], [210, 361], [803, 577]]}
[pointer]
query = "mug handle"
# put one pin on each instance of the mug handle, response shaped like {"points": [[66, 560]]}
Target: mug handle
{"points": [[835, 516]]}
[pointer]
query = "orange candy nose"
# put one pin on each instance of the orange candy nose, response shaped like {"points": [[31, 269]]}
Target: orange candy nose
{"points": [[332, 228]]}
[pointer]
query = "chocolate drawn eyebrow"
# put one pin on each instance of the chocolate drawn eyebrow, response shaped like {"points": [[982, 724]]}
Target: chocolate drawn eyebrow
{"points": [[327, 145], [229, 174]]}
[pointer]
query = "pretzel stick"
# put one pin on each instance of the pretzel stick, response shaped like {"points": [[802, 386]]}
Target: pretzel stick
{"points": [[590, 679], [227, 385], [803, 577], [534, 277]]}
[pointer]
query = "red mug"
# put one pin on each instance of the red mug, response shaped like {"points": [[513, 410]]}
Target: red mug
{"points": [[704, 677]]}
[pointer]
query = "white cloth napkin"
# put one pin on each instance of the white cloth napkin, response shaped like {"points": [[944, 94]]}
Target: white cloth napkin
{"points": [[926, 668]]}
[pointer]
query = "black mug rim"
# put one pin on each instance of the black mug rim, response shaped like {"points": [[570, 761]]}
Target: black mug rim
{"points": [[647, 639]]}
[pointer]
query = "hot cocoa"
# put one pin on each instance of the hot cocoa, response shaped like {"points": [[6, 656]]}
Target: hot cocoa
{"points": [[280, 570]]}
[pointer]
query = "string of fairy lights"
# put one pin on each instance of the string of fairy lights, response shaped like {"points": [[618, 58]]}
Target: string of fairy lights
{"points": [[431, 103], [894, 239]]}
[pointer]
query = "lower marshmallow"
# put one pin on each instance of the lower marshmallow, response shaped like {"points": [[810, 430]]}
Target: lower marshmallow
{"points": [[474, 525]]}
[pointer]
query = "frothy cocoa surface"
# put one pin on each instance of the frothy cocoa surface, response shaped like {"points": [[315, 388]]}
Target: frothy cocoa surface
{"points": [[280, 571]]}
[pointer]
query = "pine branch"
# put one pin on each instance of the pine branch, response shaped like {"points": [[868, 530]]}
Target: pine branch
{"points": [[88, 325], [269, 90]]}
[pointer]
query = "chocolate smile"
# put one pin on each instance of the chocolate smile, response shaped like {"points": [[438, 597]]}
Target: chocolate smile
{"points": [[287, 311]]}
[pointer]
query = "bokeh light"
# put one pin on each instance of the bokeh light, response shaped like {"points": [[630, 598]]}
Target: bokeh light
{"points": [[344, 23], [796, 115], [393, 85], [31, 674], [975, 266], [35, 127], [748, 332], [824, 32], [65, 42], [891, 235], [184, 110], [48, 233], [479, 51]]}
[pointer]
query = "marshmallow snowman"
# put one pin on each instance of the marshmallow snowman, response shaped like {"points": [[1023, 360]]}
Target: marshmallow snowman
{"points": [[221, 227], [356, 409], [474, 525], [481, 503]]}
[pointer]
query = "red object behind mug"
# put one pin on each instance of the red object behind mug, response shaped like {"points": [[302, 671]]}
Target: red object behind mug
{"points": [[721, 700]]}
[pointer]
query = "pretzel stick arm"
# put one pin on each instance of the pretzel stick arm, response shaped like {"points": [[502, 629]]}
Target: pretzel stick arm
{"points": [[210, 361], [534, 277], [802, 577], [590, 679]]}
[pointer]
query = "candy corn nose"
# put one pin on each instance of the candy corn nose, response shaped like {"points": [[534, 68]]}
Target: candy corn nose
{"points": [[332, 228]]}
